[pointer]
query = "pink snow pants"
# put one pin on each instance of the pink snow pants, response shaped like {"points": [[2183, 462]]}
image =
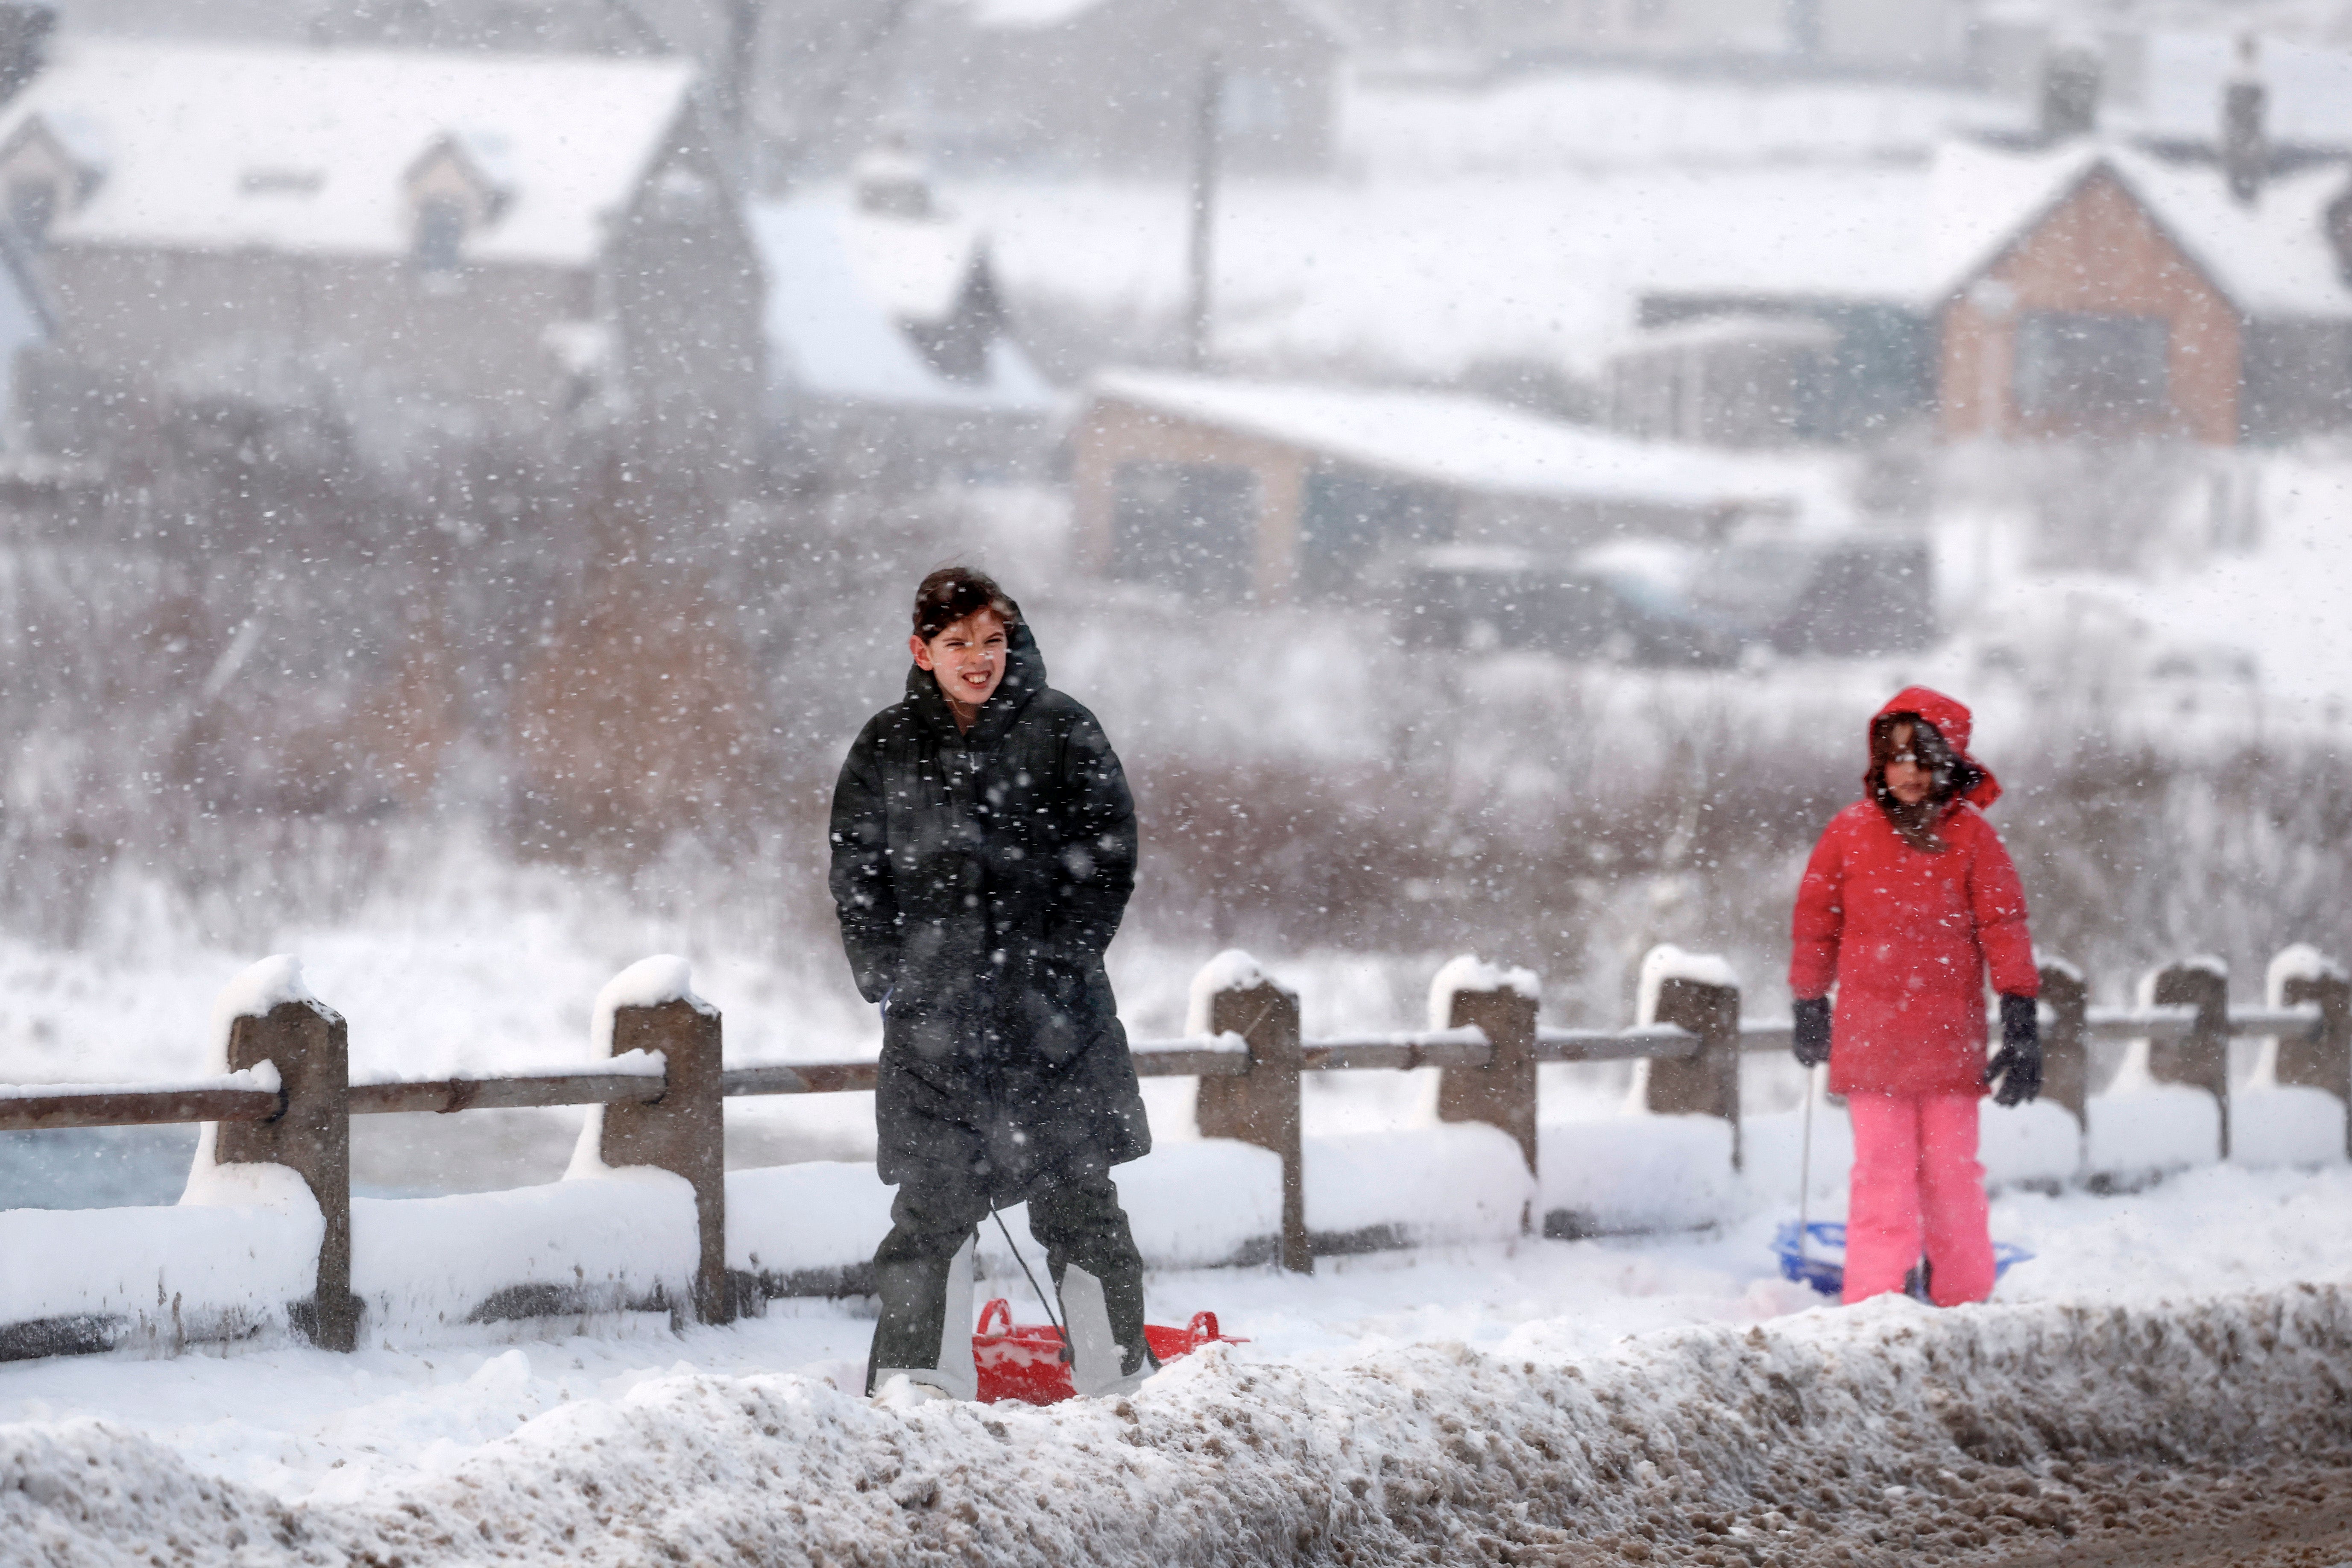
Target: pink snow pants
{"points": [[1916, 1181]]}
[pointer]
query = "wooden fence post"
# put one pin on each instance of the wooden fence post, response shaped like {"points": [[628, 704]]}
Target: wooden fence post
{"points": [[685, 1130], [2201, 1060], [1260, 1107], [2065, 1055], [2323, 1061], [310, 1045], [1707, 1084], [1502, 1092]]}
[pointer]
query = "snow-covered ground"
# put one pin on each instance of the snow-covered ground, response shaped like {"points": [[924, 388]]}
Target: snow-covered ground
{"points": [[1458, 1362]]}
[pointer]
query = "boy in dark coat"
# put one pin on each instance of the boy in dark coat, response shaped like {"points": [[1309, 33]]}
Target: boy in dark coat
{"points": [[1909, 901], [983, 849]]}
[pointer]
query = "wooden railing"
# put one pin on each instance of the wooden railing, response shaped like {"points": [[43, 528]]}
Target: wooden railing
{"points": [[664, 1089]]}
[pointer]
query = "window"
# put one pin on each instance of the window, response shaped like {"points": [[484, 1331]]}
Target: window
{"points": [[1347, 519], [1192, 527], [440, 229], [32, 205], [2086, 371]]}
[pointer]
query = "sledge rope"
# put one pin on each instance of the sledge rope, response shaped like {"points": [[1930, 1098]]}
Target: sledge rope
{"points": [[1032, 1282]]}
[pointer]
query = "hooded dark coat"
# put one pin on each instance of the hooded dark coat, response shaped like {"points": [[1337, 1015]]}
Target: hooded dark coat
{"points": [[979, 877]]}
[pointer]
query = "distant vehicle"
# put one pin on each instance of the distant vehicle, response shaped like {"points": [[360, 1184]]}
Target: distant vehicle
{"points": [[1482, 598], [1844, 595]]}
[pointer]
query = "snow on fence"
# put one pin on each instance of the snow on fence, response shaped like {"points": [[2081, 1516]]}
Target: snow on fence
{"points": [[269, 1236]]}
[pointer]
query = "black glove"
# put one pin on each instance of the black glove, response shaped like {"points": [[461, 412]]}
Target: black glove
{"points": [[1813, 1043], [2018, 1063]]}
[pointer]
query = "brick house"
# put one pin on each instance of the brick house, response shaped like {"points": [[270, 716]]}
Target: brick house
{"points": [[426, 245], [2093, 290]]}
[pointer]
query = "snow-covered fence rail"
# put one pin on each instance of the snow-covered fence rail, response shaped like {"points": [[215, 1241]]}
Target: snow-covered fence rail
{"points": [[281, 1097]]}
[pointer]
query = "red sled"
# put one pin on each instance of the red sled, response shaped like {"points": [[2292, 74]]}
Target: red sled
{"points": [[1024, 1361]]}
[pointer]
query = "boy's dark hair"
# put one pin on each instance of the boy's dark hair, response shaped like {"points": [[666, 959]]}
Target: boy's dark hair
{"points": [[952, 592]]}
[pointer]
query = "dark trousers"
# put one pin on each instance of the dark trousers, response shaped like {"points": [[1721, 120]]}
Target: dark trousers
{"points": [[1077, 1221]]}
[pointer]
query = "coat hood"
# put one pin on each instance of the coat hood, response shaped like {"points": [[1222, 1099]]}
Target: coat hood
{"points": [[1025, 677], [1951, 719]]}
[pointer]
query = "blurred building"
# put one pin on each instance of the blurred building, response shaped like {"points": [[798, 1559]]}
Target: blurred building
{"points": [[2074, 283], [417, 245], [1231, 488], [1732, 380], [1866, 37], [890, 353], [1116, 84], [2094, 290]]}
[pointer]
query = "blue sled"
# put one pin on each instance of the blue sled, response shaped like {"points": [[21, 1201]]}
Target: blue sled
{"points": [[1826, 1274]]}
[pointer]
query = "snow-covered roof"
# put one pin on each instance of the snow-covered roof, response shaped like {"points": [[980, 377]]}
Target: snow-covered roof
{"points": [[2271, 257], [843, 285], [214, 146], [1736, 330], [1469, 443], [1918, 244]]}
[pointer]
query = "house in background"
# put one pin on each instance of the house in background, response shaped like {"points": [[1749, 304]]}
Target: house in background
{"points": [[1732, 380], [426, 245], [2089, 287], [890, 354], [2094, 289], [1852, 37], [1230, 488], [1084, 86]]}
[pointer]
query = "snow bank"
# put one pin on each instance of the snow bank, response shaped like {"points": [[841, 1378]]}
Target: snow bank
{"points": [[158, 1279], [1469, 972], [1399, 1453], [1232, 969], [2039, 1143], [626, 1242], [1460, 1181], [1201, 1203], [241, 1245], [2293, 1126], [2147, 1127], [804, 1229], [647, 982], [1641, 1173]]}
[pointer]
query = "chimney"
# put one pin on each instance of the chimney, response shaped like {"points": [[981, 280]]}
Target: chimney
{"points": [[890, 180], [25, 28], [2245, 145], [2070, 93]]}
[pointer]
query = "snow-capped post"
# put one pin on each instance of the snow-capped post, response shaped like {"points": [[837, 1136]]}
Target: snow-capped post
{"points": [[1232, 995], [2201, 1059], [1501, 1002], [1697, 992], [272, 1018], [2301, 976], [654, 1008], [2065, 1060]]}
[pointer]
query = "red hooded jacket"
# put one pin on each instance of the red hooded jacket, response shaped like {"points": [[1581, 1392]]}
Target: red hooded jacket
{"points": [[1907, 935]]}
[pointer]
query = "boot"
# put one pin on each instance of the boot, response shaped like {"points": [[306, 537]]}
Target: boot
{"points": [[925, 1329], [1101, 1365]]}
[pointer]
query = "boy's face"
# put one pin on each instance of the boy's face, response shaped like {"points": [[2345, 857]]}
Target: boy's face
{"points": [[967, 657]]}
